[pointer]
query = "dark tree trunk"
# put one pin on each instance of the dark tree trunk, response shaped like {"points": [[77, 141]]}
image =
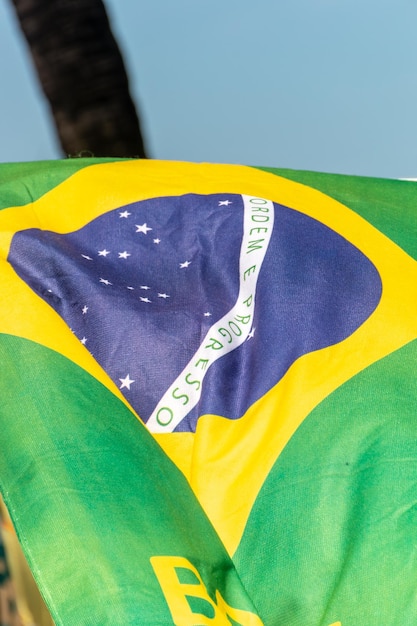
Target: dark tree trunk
{"points": [[83, 76]]}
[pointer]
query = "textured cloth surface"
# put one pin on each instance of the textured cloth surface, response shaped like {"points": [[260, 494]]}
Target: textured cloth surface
{"points": [[208, 392]]}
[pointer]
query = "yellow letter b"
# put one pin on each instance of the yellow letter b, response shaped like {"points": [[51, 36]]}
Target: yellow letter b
{"points": [[177, 592]]}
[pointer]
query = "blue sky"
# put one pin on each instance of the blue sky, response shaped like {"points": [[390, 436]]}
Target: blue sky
{"points": [[327, 85]]}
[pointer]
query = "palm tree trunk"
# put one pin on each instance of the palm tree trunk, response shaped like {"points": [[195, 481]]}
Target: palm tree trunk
{"points": [[82, 74]]}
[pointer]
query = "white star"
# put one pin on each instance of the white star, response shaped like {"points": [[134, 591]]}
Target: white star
{"points": [[157, 240], [144, 300], [163, 295], [85, 256], [208, 314], [124, 255], [225, 202], [251, 334], [131, 288], [49, 290], [144, 287], [126, 382], [85, 309], [142, 228], [103, 252], [83, 340], [185, 264], [124, 214], [105, 281]]}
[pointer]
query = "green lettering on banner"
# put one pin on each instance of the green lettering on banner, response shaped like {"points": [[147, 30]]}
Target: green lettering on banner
{"points": [[249, 271], [243, 319], [260, 218], [182, 395], [229, 332], [236, 330], [166, 421], [197, 383], [252, 245], [225, 333], [204, 363], [258, 230], [258, 201], [214, 345]]}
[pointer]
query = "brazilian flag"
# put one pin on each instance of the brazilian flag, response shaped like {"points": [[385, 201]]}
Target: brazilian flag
{"points": [[208, 392]]}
